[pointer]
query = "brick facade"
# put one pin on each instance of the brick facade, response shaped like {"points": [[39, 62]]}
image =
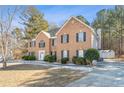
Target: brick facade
{"points": [[70, 28]]}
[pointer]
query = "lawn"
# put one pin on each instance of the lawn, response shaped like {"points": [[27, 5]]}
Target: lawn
{"points": [[37, 76]]}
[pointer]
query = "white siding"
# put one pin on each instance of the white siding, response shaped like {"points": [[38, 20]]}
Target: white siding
{"points": [[107, 54], [96, 40]]}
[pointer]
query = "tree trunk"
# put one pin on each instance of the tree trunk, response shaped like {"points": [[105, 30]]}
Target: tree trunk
{"points": [[103, 40], [4, 64], [109, 41], [121, 39], [119, 46]]}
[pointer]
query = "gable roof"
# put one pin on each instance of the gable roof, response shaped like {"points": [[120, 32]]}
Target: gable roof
{"points": [[45, 33], [78, 21], [53, 32]]}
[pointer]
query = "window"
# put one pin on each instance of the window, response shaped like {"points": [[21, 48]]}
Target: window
{"points": [[41, 44], [53, 41], [65, 38], [32, 43], [53, 53], [31, 53], [65, 54], [81, 36], [80, 53]]}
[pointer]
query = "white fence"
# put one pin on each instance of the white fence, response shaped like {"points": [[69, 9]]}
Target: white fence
{"points": [[107, 54]]}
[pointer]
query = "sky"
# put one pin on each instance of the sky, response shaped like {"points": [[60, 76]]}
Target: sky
{"points": [[57, 14]]}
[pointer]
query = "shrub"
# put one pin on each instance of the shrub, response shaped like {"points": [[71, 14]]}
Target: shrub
{"points": [[81, 61], [46, 58], [54, 57], [29, 57], [92, 54], [50, 58], [26, 58], [74, 59], [23, 57], [64, 60]]}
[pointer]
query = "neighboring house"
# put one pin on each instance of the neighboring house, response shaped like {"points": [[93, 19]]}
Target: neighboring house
{"points": [[72, 39]]}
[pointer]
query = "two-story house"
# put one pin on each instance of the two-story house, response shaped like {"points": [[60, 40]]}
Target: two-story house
{"points": [[72, 39]]}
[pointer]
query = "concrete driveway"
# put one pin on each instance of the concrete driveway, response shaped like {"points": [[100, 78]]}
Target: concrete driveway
{"points": [[103, 75]]}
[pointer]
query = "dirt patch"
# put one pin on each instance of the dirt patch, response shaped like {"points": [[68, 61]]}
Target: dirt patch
{"points": [[37, 76]]}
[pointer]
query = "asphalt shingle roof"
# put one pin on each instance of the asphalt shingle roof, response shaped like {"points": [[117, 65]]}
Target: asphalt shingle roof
{"points": [[52, 32]]}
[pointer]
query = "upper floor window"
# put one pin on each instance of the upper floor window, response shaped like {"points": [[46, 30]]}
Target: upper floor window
{"points": [[41, 44], [65, 38], [53, 42], [81, 37], [32, 43]]}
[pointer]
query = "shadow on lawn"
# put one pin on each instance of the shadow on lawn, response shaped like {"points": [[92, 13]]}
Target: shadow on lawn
{"points": [[54, 78], [24, 67]]}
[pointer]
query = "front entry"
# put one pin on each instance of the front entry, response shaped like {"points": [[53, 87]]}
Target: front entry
{"points": [[41, 54]]}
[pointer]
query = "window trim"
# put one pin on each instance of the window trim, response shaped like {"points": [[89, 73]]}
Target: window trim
{"points": [[78, 53], [81, 37], [63, 55], [32, 43], [53, 42], [40, 44], [31, 53], [65, 38]]}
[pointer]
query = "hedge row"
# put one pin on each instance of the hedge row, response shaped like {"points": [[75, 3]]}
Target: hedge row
{"points": [[29, 57], [90, 55], [50, 58]]}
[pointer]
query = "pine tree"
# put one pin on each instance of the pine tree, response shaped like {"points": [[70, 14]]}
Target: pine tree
{"points": [[34, 22]]}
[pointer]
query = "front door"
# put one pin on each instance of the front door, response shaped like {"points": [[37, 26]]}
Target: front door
{"points": [[41, 54]]}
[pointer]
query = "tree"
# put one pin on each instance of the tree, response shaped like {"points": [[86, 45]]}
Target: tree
{"points": [[53, 25], [92, 54], [80, 17], [119, 33], [100, 23], [18, 34], [34, 22], [111, 23], [5, 32]]}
